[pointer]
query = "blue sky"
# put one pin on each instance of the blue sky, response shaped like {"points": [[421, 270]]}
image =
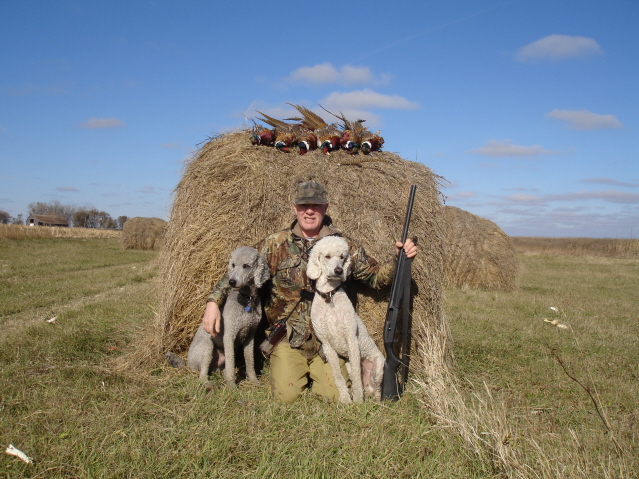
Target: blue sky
{"points": [[528, 108]]}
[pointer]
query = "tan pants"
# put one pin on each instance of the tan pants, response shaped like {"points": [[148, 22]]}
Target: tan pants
{"points": [[290, 372]]}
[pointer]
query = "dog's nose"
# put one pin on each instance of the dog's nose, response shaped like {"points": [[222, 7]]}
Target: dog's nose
{"points": [[232, 282], [339, 271]]}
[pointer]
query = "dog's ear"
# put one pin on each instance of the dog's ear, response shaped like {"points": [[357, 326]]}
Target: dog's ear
{"points": [[261, 273], [313, 270]]}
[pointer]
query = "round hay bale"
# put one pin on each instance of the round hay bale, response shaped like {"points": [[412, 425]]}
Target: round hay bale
{"points": [[478, 254], [143, 233], [233, 193]]}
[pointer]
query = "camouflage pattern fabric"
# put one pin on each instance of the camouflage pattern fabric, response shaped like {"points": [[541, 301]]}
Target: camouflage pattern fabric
{"points": [[310, 193], [287, 252]]}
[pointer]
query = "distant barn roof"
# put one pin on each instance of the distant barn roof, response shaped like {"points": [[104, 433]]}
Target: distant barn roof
{"points": [[50, 219]]}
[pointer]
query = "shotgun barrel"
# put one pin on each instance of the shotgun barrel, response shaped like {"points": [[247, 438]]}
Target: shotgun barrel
{"points": [[396, 365]]}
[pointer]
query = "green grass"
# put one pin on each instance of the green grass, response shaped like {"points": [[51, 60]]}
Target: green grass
{"points": [[502, 339], [40, 273], [64, 403]]}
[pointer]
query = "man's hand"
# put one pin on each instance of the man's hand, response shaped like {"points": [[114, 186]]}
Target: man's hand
{"points": [[212, 320], [409, 247]]}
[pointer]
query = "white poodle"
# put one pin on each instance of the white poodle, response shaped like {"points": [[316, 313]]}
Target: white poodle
{"points": [[241, 314], [336, 324]]}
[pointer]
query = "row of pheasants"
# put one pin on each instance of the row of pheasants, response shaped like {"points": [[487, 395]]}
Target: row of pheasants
{"points": [[311, 132]]}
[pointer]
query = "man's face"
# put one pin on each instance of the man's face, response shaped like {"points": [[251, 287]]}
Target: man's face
{"points": [[310, 218]]}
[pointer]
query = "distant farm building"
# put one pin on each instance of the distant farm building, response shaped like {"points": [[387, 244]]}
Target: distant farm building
{"points": [[47, 220]]}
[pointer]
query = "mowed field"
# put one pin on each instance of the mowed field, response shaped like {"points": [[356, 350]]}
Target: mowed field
{"points": [[553, 367]]}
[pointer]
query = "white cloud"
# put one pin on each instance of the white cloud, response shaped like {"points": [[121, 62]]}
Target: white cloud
{"points": [[610, 196], [367, 98], [466, 194], [610, 181], [99, 123], [326, 73], [148, 189], [67, 188], [170, 146], [585, 120], [318, 75], [524, 198], [505, 148], [559, 47]]}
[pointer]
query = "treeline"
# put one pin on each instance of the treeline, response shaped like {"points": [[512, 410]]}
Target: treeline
{"points": [[77, 216]]}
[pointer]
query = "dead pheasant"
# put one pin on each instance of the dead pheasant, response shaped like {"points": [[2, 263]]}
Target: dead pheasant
{"points": [[372, 143], [328, 136], [350, 141], [306, 142], [263, 136], [307, 128], [352, 133], [284, 136], [329, 140]]}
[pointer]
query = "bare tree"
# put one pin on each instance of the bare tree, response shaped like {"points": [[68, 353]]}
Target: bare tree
{"points": [[5, 218], [93, 218], [81, 218]]}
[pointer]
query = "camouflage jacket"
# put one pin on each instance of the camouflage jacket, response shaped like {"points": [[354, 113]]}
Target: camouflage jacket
{"points": [[287, 252]]}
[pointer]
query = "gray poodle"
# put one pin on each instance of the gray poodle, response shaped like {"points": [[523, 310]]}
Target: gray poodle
{"points": [[241, 314]]}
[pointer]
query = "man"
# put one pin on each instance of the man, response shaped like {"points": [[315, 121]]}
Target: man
{"points": [[295, 359]]}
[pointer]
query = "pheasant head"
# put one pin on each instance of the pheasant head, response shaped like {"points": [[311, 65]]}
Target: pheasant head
{"points": [[372, 143], [307, 142], [263, 137], [350, 142], [284, 140]]}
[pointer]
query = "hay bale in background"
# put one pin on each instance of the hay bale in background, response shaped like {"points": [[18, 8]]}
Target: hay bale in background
{"points": [[143, 233], [233, 193], [478, 254]]}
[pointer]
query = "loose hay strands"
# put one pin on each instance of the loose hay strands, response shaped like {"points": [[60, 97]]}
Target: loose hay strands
{"points": [[143, 233], [233, 193], [478, 254]]}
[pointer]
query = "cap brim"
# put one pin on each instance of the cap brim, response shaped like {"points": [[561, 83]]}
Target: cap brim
{"points": [[311, 201]]}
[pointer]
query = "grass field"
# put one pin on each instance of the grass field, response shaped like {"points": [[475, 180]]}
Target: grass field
{"points": [[567, 399]]}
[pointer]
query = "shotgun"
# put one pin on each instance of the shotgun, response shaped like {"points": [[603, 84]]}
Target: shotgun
{"points": [[396, 365]]}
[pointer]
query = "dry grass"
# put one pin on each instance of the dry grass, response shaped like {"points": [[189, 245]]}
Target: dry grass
{"points": [[143, 233], [607, 247], [478, 254], [23, 231], [538, 421]]}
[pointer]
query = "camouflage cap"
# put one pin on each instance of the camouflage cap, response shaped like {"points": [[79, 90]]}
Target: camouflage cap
{"points": [[310, 193]]}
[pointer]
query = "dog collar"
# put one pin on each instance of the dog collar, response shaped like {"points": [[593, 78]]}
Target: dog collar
{"points": [[246, 300], [328, 297]]}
